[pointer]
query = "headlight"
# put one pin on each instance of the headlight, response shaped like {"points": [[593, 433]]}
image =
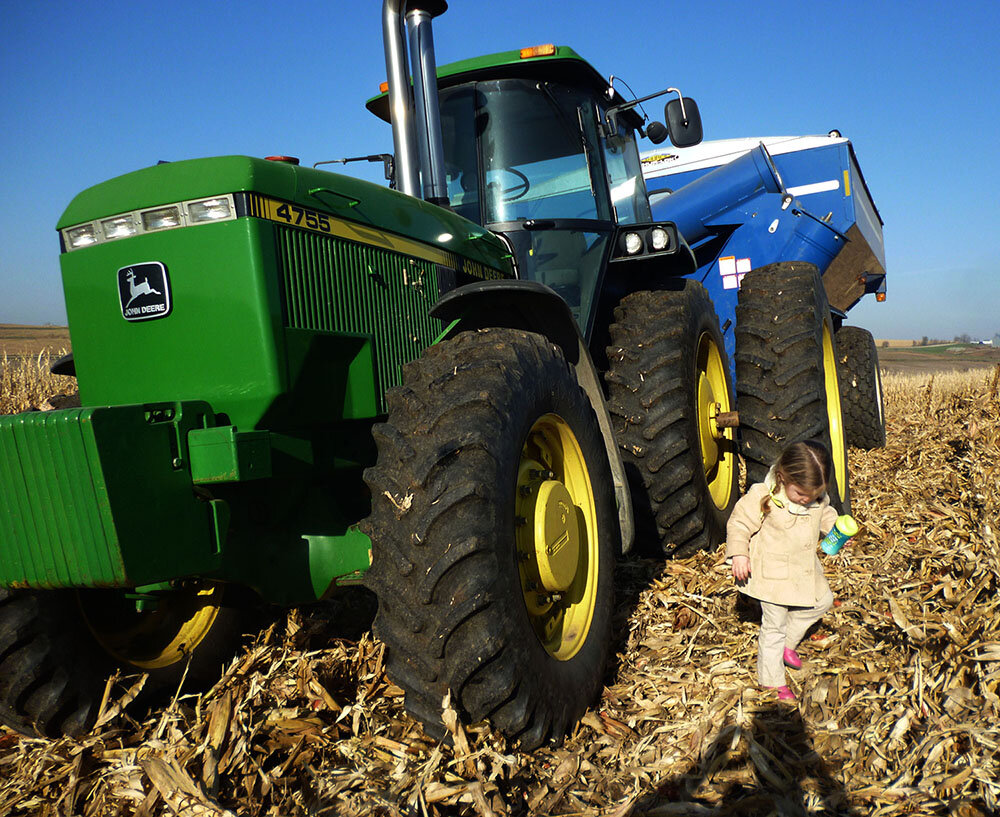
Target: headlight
{"points": [[633, 243], [161, 218], [209, 210], [118, 227], [659, 238], [82, 236]]}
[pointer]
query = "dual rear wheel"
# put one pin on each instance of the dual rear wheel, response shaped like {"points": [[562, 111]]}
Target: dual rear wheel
{"points": [[59, 647]]}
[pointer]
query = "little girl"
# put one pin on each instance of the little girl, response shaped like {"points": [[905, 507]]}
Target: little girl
{"points": [[772, 537]]}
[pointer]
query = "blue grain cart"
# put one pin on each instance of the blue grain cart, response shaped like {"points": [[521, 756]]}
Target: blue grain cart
{"points": [[751, 204], [746, 203]]}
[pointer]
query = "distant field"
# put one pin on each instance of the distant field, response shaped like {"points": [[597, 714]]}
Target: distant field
{"points": [[947, 357], [19, 341]]}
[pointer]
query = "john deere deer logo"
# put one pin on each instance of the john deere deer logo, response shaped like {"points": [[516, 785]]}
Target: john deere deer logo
{"points": [[135, 291], [144, 291]]}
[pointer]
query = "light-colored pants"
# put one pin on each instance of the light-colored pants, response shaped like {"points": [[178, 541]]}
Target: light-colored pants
{"points": [[781, 627]]}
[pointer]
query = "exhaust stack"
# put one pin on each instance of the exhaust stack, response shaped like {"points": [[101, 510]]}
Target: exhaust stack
{"points": [[416, 118]]}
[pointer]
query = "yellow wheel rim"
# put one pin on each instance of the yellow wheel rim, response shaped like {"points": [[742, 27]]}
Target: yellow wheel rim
{"points": [[556, 537], [833, 411], [718, 450], [153, 638]]}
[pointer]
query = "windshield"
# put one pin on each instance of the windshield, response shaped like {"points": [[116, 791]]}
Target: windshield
{"points": [[538, 142]]}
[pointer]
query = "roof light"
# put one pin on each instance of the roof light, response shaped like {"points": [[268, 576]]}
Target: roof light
{"points": [[546, 50], [209, 210], [880, 296], [161, 218], [119, 227], [165, 217], [383, 87], [82, 236]]}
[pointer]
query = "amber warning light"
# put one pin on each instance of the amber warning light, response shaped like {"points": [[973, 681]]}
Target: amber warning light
{"points": [[546, 50]]}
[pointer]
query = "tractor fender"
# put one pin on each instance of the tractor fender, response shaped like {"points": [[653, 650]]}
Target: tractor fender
{"points": [[534, 307]]}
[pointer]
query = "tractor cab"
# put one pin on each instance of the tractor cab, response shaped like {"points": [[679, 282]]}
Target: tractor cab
{"points": [[540, 149]]}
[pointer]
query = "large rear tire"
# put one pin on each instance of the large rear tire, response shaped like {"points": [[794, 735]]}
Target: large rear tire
{"points": [[667, 381], [493, 532], [860, 388], [59, 647], [786, 373]]}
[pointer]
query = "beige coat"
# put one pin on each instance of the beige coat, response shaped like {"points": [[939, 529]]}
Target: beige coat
{"points": [[784, 566]]}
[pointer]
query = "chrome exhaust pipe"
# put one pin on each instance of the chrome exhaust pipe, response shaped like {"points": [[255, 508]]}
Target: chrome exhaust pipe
{"points": [[415, 115], [425, 97], [400, 100]]}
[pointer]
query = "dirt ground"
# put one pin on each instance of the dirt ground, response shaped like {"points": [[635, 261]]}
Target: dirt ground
{"points": [[18, 341]]}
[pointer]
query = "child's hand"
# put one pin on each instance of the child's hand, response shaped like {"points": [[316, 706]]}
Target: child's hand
{"points": [[741, 568]]}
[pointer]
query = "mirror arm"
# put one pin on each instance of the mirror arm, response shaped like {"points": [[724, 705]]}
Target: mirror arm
{"points": [[614, 110]]}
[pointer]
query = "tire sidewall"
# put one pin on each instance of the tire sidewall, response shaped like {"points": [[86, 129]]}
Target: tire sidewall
{"points": [[552, 677], [702, 319]]}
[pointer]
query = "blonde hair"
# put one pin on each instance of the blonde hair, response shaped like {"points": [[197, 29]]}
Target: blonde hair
{"points": [[806, 464]]}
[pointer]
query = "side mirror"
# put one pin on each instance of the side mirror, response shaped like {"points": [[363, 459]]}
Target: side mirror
{"points": [[683, 122]]}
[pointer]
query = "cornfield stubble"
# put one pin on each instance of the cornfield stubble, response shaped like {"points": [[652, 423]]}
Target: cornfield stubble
{"points": [[899, 699]]}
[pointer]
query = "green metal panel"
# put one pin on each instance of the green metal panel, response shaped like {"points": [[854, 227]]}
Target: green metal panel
{"points": [[219, 344], [99, 497], [224, 454]]}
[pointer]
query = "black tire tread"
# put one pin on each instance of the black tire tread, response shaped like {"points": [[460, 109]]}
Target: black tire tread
{"points": [[651, 399], [860, 388], [780, 389], [444, 615]]}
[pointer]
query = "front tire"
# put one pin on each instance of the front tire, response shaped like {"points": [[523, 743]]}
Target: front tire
{"points": [[860, 388], [667, 381], [786, 374], [493, 532]]}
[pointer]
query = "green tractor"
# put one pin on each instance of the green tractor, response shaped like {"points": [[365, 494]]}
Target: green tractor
{"points": [[293, 381]]}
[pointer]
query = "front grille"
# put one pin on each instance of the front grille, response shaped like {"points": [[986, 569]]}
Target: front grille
{"points": [[334, 285]]}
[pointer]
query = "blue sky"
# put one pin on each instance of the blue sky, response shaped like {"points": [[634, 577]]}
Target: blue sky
{"points": [[94, 90]]}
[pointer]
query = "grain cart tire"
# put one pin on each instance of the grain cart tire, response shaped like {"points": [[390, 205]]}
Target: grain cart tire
{"points": [[860, 388], [786, 374], [493, 532], [59, 647], [668, 378]]}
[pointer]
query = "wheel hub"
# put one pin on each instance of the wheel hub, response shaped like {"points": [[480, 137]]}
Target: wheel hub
{"points": [[557, 536], [708, 432]]}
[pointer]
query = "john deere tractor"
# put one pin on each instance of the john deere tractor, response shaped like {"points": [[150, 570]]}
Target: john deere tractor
{"points": [[468, 393]]}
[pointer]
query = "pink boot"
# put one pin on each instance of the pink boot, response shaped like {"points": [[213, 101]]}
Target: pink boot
{"points": [[784, 693], [792, 659]]}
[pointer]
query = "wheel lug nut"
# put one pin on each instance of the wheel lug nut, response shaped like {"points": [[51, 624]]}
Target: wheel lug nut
{"points": [[520, 521], [525, 490]]}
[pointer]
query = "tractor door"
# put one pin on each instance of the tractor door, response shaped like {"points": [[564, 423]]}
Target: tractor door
{"points": [[524, 159]]}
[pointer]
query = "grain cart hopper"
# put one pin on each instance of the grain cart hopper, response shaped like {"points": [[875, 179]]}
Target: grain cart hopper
{"points": [[240, 327], [749, 204]]}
